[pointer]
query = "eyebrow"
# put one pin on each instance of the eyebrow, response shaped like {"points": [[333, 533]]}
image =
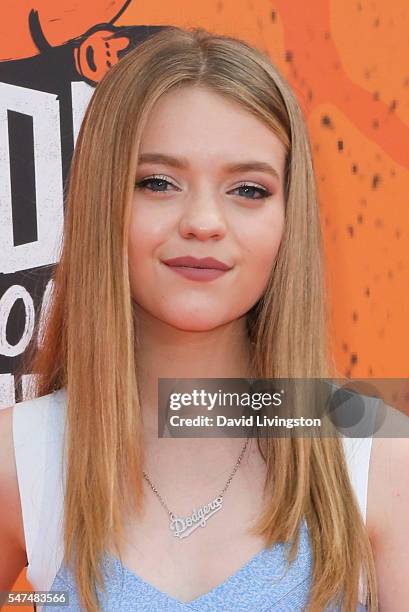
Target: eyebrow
{"points": [[182, 163]]}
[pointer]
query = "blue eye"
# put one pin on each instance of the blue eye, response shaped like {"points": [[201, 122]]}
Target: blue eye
{"points": [[153, 184], [251, 190]]}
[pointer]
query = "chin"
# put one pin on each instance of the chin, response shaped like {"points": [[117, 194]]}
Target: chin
{"points": [[199, 320], [198, 324]]}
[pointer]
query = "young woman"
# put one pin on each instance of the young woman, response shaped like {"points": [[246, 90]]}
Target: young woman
{"points": [[193, 146]]}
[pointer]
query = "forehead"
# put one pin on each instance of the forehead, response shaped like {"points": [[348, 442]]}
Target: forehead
{"points": [[197, 122]]}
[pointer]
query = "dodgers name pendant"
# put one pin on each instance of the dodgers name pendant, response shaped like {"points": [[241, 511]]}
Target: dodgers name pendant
{"points": [[182, 527]]}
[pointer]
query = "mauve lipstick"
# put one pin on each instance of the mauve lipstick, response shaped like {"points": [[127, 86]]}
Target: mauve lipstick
{"points": [[198, 269]]}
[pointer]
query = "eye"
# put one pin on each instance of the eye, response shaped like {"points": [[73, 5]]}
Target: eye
{"points": [[248, 191], [155, 183]]}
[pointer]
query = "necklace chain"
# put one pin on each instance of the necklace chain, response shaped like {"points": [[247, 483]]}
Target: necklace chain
{"points": [[221, 494]]}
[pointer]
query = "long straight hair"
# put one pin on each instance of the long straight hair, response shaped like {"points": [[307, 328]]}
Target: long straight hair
{"points": [[88, 342]]}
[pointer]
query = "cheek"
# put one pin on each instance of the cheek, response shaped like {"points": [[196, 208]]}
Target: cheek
{"points": [[146, 232], [259, 244], [145, 235], [146, 226]]}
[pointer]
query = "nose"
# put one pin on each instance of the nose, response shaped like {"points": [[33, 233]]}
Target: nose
{"points": [[203, 219]]}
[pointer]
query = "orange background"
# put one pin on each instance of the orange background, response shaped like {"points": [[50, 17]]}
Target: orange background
{"points": [[345, 60]]}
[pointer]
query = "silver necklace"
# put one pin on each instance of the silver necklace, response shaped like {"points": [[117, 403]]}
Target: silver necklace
{"points": [[182, 527]]}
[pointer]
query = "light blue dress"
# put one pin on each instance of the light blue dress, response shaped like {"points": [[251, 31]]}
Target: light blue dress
{"points": [[261, 585]]}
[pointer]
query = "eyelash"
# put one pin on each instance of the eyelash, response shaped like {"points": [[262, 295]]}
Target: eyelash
{"points": [[263, 193]]}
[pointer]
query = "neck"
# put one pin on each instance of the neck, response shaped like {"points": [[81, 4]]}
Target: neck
{"points": [[162, 351]]}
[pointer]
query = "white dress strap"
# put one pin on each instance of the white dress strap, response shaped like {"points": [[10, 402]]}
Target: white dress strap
{"points": [[38, 437], [358, 453]]}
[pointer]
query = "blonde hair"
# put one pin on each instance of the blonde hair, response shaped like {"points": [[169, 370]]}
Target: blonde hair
{"points": [[89, 338]]}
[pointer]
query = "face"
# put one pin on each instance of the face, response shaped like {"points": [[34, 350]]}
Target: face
{"points": [[209, 184]]}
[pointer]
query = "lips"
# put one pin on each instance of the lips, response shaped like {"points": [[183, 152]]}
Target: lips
{"points": [[209, 263]]}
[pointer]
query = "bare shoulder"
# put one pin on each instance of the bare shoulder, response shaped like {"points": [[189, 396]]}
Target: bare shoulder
{"points": [[388, 509], [11, 522]]}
